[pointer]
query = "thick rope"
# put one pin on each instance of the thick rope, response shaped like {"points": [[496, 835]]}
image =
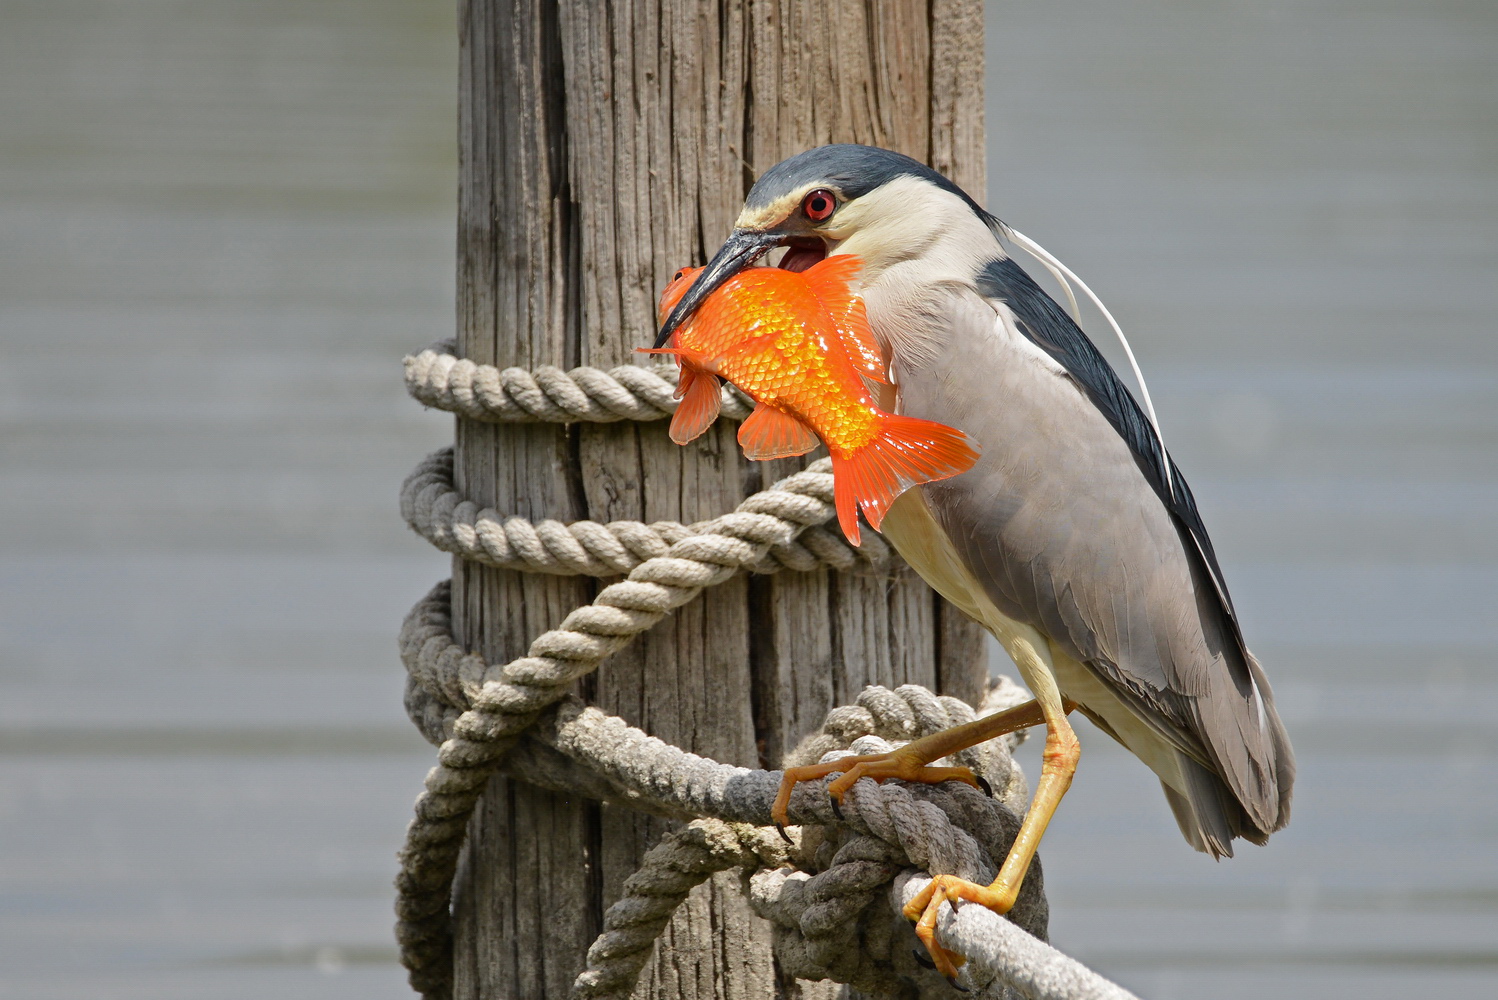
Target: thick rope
{"points": [[823, 908], [511, 696], [824, 920], [435, 510], [821, 916], [644, 770], [1030, 966], [669, 871], [440, 380]]}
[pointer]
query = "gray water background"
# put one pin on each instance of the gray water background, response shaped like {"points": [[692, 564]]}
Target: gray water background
{"points": [[221, 224]]}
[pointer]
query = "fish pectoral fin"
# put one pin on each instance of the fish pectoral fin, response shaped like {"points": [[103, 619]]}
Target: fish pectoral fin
{"points": [[701, 398], [772, 433]]}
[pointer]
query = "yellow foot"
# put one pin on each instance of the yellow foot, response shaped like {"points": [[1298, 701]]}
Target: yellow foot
{"points": [[949, 889], [881, 767]]}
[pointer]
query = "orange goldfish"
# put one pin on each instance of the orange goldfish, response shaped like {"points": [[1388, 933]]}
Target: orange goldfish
{"points": [[800, 346]]}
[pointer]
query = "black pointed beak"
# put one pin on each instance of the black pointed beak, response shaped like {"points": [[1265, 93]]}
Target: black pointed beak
{"points": [[743, 248]]}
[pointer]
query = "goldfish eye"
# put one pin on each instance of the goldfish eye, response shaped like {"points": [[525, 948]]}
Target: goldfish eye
{"points": [[819, 205], [677, 276]]}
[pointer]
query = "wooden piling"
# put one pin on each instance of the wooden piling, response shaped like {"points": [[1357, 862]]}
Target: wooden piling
{"points": [[602, 146]]}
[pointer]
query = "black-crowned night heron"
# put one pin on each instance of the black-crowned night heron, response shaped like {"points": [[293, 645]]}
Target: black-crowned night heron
{"points": [[1074, 540]]}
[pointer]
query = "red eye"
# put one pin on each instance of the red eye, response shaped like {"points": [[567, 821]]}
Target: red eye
{"points": [[819, 205]]}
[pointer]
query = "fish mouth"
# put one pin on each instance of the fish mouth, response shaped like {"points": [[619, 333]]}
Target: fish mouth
{"points": [[743, 249]]}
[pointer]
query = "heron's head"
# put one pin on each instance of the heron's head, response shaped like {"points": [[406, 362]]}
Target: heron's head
{"points": [[881, 205]]}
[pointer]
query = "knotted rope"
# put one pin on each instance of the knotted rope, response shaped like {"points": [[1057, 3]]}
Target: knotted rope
{"points": [[488, 716]]}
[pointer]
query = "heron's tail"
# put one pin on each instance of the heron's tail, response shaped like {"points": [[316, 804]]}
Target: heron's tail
{"points": [[1211, 809], [1207, 813]]}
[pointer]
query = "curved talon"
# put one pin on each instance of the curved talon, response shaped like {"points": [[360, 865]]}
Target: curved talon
{"points": [[943, 961], [926, 906], [984, 785], [837, 804], [780, 829], [922, 959]]}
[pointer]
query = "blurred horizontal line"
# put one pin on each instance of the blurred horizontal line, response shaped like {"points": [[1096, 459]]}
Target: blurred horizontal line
{"points": [[1383, 958], [1380, 737], [1326, 900], [24, 741], [328, 958]]}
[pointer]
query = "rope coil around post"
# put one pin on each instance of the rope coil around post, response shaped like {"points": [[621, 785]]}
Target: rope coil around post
{"points": [[433, 508], [481, 714], [437, 378]]}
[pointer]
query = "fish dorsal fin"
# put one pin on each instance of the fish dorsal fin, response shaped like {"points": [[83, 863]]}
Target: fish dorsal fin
{"points": [[772, 433], [831, 281], [701, 398]]}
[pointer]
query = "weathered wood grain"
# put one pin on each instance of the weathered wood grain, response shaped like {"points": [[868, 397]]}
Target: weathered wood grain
{"points": [[603, 145]]}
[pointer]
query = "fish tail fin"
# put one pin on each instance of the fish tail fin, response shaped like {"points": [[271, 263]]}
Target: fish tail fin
{"points": [[701, 398], [907, 452]]}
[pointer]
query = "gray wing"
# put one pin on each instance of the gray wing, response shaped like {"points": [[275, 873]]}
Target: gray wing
{"points": [[1042, 321], [1064, 521]]}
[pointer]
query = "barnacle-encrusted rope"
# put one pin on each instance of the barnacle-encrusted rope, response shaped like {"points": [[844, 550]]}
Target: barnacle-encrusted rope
{"points": [[480, 712]]}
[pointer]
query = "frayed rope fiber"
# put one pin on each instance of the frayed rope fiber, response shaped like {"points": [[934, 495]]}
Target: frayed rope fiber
{"points": [[834, 895]]}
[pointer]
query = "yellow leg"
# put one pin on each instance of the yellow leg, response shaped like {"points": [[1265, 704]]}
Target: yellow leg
{"points": [[909, 762], [1058, 765]]}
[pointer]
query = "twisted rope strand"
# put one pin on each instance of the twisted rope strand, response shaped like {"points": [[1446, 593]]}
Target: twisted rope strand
{"points": [[1028, 964], [668, 872], [435, 510], [439, 379]]}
